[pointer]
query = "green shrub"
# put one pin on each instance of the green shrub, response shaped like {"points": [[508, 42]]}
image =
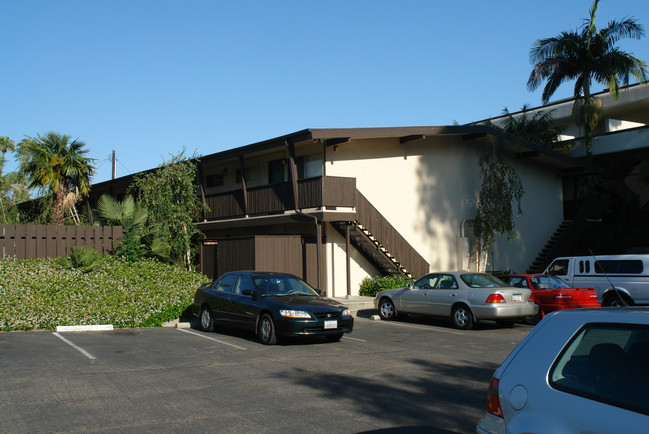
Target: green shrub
{"points": [[82, 258], [370, 286], [39, 294]]}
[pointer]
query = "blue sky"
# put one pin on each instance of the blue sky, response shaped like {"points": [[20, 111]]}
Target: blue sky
{"points": [[148, 77]]}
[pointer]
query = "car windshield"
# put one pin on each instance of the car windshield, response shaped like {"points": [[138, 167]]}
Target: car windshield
{"points": [[282, 285], [480, 280], [548, 282]]}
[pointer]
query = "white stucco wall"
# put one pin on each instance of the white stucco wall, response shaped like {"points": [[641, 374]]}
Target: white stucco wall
{"points": [[336, 265], [428, 188]]}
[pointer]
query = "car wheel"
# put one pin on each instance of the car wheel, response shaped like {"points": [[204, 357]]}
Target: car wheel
{"points": [[266, 330], [387, 311], [617, 300], [462, 317], [334, 338], [532, 319], [207, 320]]}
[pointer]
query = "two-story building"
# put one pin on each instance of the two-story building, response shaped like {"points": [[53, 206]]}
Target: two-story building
{"points": [[338, 205]]}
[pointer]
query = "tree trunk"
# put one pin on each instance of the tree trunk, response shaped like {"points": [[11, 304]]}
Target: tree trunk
{"points": [[58, 210]]}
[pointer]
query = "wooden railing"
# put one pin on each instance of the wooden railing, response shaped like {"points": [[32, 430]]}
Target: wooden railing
{"points": [[368, 216], [268, 199]]}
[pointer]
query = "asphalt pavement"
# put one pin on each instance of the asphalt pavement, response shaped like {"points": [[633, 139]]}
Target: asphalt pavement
{"points": [[417, 375]]}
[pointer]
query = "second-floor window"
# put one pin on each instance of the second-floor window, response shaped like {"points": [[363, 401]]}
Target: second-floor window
{"points": [[276, 171]]}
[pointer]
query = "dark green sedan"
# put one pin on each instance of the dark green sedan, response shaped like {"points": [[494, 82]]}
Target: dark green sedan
{"points": [[273, 305]]}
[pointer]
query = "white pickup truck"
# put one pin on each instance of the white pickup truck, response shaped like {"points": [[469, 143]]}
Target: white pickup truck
{"points": [[618, 279]]}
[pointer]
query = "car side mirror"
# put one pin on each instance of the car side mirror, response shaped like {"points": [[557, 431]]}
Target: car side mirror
{"points": [[319, 291], [410, 286], [249, 292]]}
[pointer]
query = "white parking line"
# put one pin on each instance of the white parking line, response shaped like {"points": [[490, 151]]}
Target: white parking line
{"points": [[421, 327], [210, 338], [81, 350], [354, 339]]}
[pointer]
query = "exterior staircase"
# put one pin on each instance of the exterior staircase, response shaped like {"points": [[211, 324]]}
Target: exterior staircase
{"points": [[547, 253], [372, 249], [568, 235]]}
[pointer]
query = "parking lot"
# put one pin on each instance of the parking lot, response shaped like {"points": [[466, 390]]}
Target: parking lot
{"points": [[416, 375]]}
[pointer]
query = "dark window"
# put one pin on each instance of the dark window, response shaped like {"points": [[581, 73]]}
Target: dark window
{"points": [[446, 281], [242, 284], [517, 282], [581, 266], [214, 180], [276, 171], [619, 266], [559, 267], [587, 266], [606, 363], [426, 282], [225, 283]]}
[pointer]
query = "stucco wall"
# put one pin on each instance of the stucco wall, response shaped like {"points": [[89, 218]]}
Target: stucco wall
{"points": [[336, 265], [428, 188]]}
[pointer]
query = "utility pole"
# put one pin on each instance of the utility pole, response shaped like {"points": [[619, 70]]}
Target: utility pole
{"points": [[114, 165]]}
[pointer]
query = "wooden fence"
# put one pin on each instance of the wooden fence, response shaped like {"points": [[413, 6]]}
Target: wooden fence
{"points": [[48, 241]]}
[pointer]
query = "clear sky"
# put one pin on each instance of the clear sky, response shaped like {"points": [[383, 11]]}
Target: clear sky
{"points": [[148, 77]]}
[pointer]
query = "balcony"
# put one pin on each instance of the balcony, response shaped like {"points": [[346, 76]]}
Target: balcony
{"points": [[324, 191]]}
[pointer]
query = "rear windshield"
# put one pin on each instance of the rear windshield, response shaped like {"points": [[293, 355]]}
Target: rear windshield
{"points": [[606, 363]]}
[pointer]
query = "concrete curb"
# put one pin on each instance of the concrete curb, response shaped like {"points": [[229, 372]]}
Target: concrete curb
{"points": [[85, 328]]}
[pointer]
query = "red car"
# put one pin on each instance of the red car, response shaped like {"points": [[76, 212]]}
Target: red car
{"points": [[551, 293]]}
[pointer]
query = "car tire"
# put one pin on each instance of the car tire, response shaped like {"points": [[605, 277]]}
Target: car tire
{"points": [[462, 317], [617, 300], [532, 319], [266, 330], [206, 319], [387, 311], [334, 338]]}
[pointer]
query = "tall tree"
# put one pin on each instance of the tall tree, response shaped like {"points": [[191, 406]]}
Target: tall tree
{"points": [[587, 55], [169, 195], [57, 163], [501, 186]]}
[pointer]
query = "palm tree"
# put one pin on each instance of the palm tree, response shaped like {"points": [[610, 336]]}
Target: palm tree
{"points": [[586, 55], [57, 163]]}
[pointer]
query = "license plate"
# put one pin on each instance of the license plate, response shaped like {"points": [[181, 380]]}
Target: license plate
{"points": [[331, 324], [517, 297]]}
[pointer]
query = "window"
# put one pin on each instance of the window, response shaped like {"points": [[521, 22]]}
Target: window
{"points": [[619, 266], [242, 284], [517, 282], [606, 363], [309, 166], [215, 180], [225, 283], [559, 267], [250, 175], [426, 282], [276, 171], [446, 281]]}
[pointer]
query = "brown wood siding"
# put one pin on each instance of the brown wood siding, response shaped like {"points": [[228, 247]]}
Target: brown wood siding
{"points": [[270, 198], [279, 253], [235, 254], [228, 204], [49, 241]]}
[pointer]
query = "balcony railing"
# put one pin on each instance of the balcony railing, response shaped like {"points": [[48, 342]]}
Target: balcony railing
{"points": [[324, 191]]}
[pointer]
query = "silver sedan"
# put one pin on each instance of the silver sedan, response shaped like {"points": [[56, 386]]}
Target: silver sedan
{"points": [[462, 296]]}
